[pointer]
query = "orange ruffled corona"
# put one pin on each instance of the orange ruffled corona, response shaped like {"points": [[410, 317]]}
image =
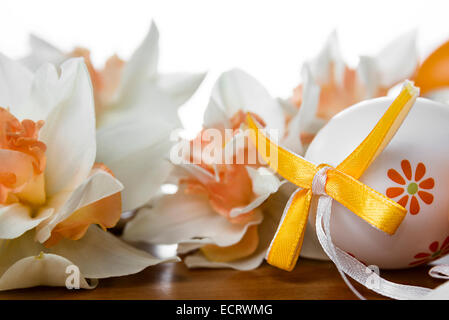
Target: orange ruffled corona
{"points": [[22, 180], [22, 157], [233, 189], [342, 182], [334, 97]]}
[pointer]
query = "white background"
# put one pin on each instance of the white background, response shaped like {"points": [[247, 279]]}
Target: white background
{"points": [[268, 39]]}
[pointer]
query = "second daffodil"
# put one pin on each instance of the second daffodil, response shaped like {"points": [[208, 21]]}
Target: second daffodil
{"points": [[226, 210], [55, 201], [136, 110]]}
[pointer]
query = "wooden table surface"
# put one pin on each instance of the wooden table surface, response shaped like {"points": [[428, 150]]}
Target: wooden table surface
{"points": [[310, 280]]}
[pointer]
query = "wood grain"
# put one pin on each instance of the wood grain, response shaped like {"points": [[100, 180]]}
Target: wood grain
{"points": [[310, 280]]}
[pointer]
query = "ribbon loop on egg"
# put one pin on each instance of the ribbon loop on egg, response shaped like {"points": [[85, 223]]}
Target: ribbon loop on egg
{"points": [[320, 180], [340, 183]]}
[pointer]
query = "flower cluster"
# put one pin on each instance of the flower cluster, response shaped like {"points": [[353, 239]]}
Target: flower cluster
{"points": [[81, 145]]}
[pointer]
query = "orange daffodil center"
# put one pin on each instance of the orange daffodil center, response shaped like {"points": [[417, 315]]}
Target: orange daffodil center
{"points": [[232, 189], [335, 97], [22, 180], [329, 85], [22, 157]]}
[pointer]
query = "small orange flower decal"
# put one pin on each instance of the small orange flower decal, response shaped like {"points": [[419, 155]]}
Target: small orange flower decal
{"points": [[413, 187], [435, 251]]}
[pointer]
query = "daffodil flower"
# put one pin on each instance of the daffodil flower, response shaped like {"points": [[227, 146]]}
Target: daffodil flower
{"points": [[136, 111], [223, 214], [55, 201], [329, 85], [122, 87]]}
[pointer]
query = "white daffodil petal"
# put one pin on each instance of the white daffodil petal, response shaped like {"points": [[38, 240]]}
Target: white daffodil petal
{"points": [[195, 171], [235, 212], [99, 254], [329, 57], [398, 60], [46, 92], [311, 98], [146, 102], [198, 260], [265, 183], [180, 86], [16, 219], [69, 131], [236, 90], [42, 52], [98, 186], [129, 136], [138, 159], [305, 119], [43, 270], [23, 264], [15, 84], [272, 211], [287, 106], [184, 218], [142, 174], [368, 73], [13, 250], [214, 115], [292, 140], [184, 248], [263, 180], [142, 65]]}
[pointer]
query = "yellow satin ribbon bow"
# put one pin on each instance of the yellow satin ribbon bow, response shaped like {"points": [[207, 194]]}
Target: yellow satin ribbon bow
{"points": [[342, 182]]}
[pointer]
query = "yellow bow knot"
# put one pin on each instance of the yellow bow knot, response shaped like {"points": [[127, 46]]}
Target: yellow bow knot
{"points": [[340, 183]]}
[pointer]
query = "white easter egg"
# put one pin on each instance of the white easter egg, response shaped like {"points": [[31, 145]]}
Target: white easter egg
{"points": [[412, 170]]}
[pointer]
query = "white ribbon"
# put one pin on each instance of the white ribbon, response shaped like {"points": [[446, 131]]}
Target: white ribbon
{"points": [[440, 272], [348, 265]]}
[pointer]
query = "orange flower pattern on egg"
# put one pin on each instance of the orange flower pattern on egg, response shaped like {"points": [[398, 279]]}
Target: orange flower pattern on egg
{"points": [[435, 251], [411, 187]]}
